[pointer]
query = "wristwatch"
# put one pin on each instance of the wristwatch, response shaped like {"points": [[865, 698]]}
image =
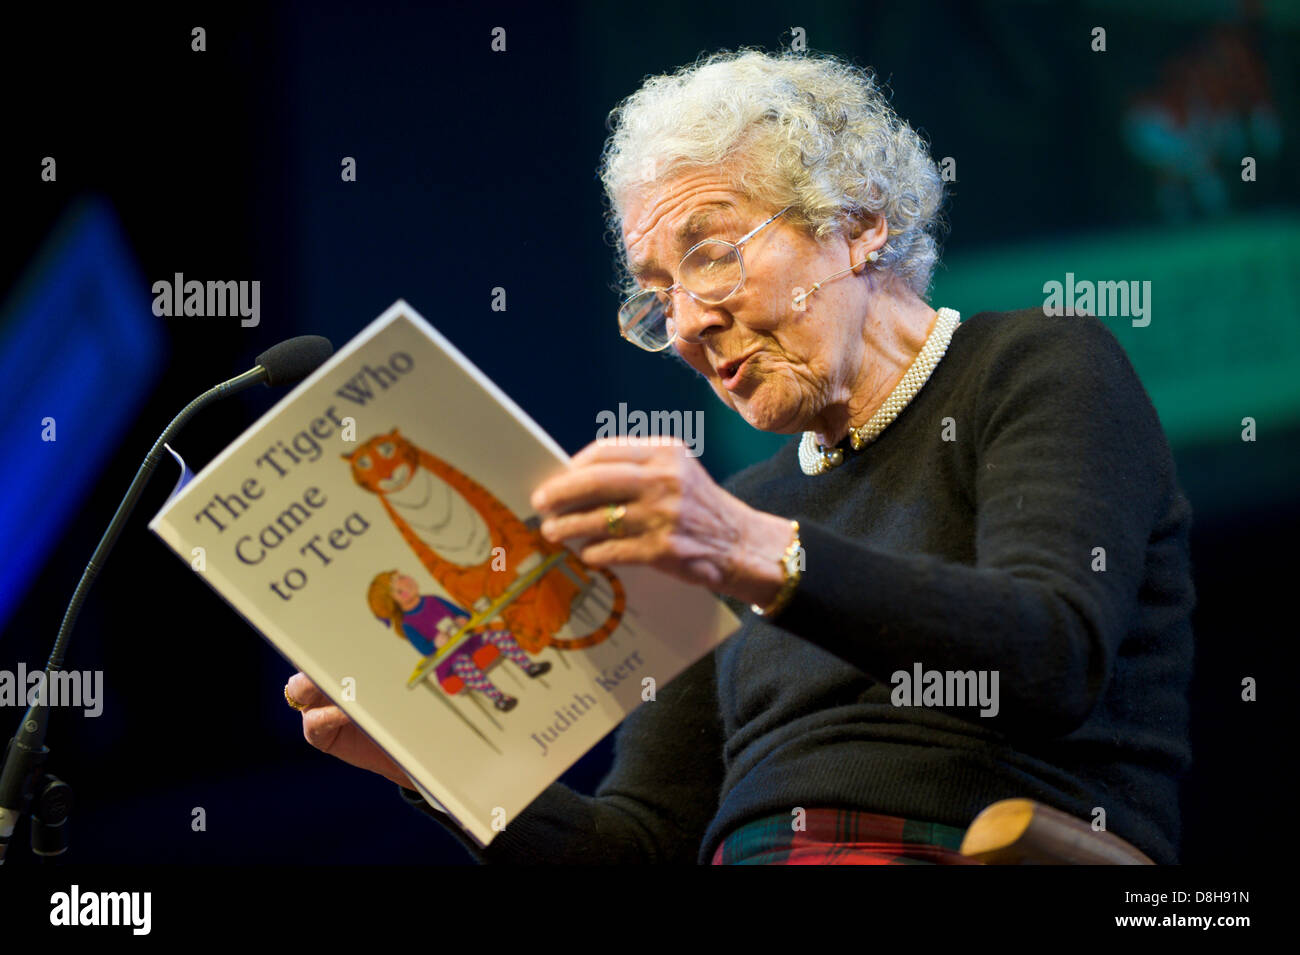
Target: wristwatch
{"points": [[792, 566]]}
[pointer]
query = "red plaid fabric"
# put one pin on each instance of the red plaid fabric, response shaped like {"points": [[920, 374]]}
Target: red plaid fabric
{"points": [[841, 837]]}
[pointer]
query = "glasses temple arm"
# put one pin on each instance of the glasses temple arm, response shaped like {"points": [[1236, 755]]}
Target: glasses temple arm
{"points": [[753, 232]]}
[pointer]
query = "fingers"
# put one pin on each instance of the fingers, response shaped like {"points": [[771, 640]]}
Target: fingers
{"points": [[305, 692], [330, 730], [586, 487], [624, 449], [611, 553], [692, 570], [607, 470], [321, 726], [593, 525]]}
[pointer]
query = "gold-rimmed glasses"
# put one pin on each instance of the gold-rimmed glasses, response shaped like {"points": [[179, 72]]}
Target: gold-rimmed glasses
{"points": [[710, 272]]}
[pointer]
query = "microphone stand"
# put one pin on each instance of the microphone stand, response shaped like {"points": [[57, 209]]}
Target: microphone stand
{"points": [[22, 771]]}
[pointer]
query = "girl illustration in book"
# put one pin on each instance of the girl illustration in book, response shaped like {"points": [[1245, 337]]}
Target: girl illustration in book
{"points": [[474, 545], [428, 621]]}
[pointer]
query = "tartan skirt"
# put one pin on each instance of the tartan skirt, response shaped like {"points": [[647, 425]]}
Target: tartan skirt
{"points": [[842, 837]]}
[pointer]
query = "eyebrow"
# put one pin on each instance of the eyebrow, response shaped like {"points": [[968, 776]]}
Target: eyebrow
{"points": [[697, 224]]}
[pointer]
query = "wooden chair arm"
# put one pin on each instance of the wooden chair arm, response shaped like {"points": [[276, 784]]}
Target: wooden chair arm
{"points": [[1024, 832]]}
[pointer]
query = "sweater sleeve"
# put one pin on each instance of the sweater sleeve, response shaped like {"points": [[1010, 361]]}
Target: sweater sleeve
{"points": [[418, 640], [654, 805], [1067, 456]]}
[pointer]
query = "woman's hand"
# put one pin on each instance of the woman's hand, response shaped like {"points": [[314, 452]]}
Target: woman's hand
{"points": [[677, 519], [328, 728]]}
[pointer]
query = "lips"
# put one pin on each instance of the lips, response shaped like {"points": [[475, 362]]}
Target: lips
{"points": [[726, 369], [729, 371]]}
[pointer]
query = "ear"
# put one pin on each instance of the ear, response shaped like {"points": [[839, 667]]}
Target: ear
{"points": [[866, 235], [395, 433], [347, 457]]}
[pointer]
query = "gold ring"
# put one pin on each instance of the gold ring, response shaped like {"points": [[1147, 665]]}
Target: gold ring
{"points": [[291, 701], [614, 519]]}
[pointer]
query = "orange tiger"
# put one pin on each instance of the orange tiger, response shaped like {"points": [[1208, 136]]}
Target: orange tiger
{"points": [[432, 503]]}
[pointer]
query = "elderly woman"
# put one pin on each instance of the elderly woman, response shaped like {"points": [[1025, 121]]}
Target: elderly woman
{"points": [[991, 497]]}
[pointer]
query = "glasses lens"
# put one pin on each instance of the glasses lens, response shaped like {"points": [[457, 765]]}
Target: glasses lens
{"points": [[712, 271], [644, 320]]}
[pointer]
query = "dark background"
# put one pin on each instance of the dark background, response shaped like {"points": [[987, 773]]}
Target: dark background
{"points": [[476, 170]]}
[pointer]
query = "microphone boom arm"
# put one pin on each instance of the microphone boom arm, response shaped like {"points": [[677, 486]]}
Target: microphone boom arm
{"points": [[26, 750]]}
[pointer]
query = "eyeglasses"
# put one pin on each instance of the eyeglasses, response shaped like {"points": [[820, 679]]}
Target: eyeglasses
{"points": [[710, 272]]}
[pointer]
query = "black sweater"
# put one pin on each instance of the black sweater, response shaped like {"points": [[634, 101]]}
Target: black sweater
{"points": [[965, 538]]}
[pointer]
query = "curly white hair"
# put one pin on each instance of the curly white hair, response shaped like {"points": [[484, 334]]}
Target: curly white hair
{"points": [[809, 131]]}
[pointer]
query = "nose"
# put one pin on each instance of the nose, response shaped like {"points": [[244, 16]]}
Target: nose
{"points": [[692, 319]]}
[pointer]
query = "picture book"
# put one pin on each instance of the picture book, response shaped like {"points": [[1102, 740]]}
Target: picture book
{"points": [[375, 527]]}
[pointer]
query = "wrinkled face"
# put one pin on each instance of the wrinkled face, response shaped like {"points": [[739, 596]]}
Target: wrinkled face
{"points": [[404, 588], [776, 364]]}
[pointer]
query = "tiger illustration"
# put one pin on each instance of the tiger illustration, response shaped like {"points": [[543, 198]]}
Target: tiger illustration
{"points": [[455, 525]]}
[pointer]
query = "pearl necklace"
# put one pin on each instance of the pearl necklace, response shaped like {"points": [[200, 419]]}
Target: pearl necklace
{"points": [[814, 459]]}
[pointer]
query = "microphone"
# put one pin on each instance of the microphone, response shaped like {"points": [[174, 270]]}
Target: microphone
{"points": [[291, 361], [283, 364]]}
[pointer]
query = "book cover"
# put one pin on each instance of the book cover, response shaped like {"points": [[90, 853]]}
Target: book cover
{"points": [[375, 527]]}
